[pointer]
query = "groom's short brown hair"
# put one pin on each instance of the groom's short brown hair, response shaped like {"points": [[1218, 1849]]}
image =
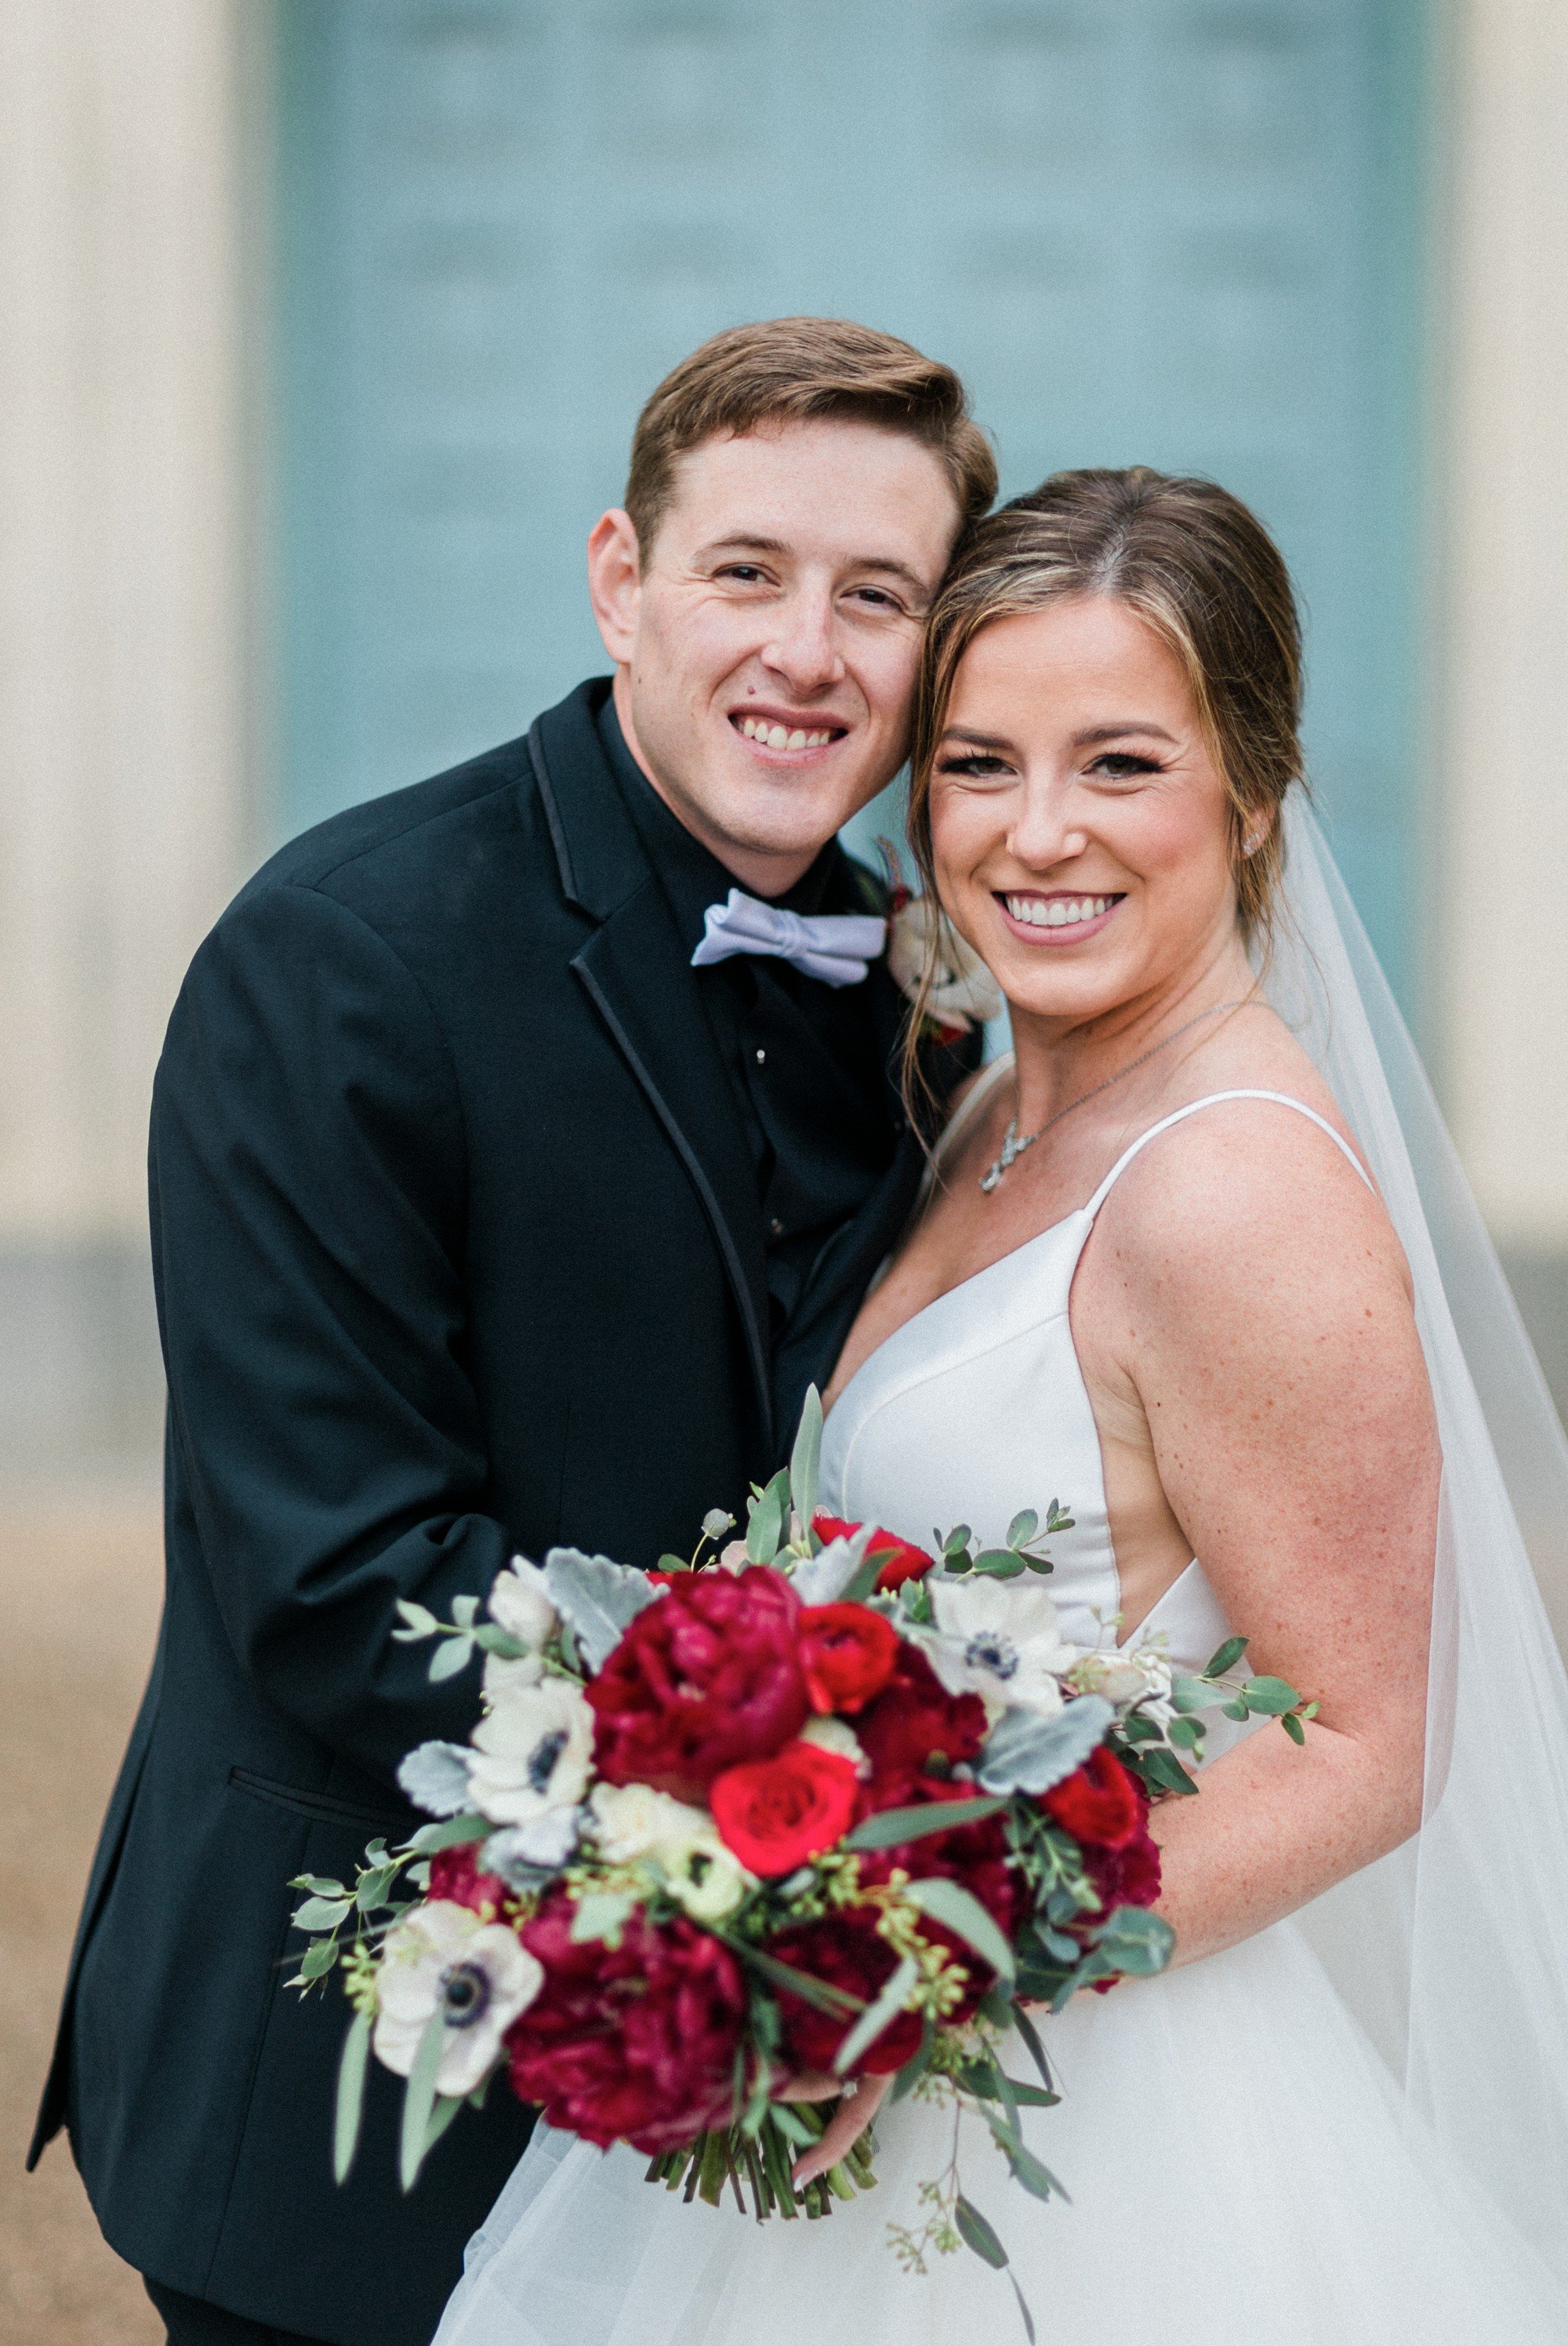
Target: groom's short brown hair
{"points": [[798, 370]]}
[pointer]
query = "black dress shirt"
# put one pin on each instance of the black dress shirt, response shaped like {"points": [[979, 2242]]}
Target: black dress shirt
{"points": [[804, 1058]]}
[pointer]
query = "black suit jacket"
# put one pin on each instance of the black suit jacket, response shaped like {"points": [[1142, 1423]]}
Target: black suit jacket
{"points": [[458, 1251]]}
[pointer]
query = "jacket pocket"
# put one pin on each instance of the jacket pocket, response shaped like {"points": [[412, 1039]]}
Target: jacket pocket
{"points": [[321, 1807]]}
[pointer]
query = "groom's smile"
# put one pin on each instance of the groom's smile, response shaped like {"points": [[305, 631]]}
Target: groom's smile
{"points": [[766, 641]]}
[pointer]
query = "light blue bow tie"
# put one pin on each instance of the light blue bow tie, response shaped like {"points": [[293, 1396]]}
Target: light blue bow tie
{"points": [[837, 947]]}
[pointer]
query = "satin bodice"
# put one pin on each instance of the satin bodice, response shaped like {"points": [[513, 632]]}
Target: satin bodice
{"points": [[976, 1408]]}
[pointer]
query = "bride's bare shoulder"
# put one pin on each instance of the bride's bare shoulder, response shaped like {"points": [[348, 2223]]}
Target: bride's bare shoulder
{"points": [[1248, 1200]]}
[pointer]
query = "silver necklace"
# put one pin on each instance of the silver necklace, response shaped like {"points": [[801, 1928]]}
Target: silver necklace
{"points": [[1014, 1143]]}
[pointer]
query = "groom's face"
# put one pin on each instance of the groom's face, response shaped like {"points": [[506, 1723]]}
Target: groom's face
{"points": [[766, 642]]}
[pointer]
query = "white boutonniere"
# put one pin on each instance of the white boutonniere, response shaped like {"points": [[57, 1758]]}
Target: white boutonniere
{"points": [[963, 993]]}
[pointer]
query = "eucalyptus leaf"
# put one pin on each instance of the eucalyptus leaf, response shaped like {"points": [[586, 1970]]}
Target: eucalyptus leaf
{"points": [[1022, 1528], [836, 2001], [351, 2103], [999, 1563], [452, 1654], [599, 1599], [374, 1886], [449, 1834], [1136, 1942], [321, 1885], [419, 2099], [321, 1913], [1026, 1753], [1270, 1696], [879, 2016], [977, 2234], [1293, 1727], [956, 1542], [1185, 1734], [318, 1959], [1034, 2175], [1230, 1653], [1189, 1694], [915, 2067], [892, 1826], [959, 1909], [464, 1609], [1025, 2027], [765, 1523], [806, 1457], [1164, 1768]]}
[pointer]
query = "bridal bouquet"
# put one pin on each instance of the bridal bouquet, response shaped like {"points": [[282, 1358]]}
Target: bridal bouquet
{"points": [[824, 1802]]}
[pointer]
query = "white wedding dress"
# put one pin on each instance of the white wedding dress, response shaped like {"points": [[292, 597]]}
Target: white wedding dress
{"points": [[1256, 2145]]}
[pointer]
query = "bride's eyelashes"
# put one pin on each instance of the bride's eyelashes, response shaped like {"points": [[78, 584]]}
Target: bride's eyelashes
{"points": [[1123, 766], [977, 766]]}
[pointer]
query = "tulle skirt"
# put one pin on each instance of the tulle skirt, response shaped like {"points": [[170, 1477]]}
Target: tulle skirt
{"points": [[1240, 2166]]}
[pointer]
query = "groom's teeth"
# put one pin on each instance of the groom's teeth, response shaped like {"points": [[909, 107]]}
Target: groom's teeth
{"points": [[1058, 912], [778, 736]]}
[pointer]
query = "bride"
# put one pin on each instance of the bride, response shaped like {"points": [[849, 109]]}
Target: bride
{"points": [[1178, 1265]]}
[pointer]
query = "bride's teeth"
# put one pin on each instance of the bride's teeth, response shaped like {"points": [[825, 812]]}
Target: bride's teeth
{"points": [[1058, 912], [797, 739]]}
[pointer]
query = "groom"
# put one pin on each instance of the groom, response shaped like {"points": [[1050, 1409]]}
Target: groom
{"points": [[509, 1184]]}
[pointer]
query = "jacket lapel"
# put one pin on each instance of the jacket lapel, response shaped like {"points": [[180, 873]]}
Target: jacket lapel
{"points": [[637, 974]]}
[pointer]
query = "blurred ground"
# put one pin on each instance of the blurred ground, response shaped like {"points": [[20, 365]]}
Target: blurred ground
{"points": [[79, 1588]]}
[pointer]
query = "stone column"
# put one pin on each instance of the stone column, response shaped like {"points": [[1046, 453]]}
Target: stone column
{"points": [[1499, 951], [122, 619]]}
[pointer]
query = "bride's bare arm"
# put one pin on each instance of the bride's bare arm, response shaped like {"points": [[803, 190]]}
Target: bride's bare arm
{"points": [[1251, 1292]]}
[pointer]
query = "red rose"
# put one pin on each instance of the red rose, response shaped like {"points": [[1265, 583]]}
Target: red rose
{"points": [[630, 2043], [848, 1653], [705, 1678], [1098, 1802], [454, 1874], [846, 1952], [776, 1813], [914, 1718], [901, 1560]]}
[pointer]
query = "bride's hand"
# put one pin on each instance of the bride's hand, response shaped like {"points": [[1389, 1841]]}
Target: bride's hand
{"points": [[848, 2123]]}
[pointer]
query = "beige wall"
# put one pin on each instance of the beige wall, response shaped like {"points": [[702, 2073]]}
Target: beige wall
{"points": [[121, 603], [1501, 948]]}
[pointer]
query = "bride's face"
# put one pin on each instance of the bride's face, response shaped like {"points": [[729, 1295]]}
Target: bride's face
{"points": [[1081, 828]]}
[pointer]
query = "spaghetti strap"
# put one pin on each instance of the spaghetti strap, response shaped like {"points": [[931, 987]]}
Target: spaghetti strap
{"points": [[1281, 1099]]}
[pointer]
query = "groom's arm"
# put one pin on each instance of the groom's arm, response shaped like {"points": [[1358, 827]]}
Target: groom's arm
{"points": [[309, 1189]]}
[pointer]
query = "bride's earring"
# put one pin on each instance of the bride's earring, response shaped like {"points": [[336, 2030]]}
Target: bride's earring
{"points": [[1250, 846]]}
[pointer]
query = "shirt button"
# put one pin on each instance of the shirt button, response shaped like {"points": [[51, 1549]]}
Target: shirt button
{"points": [[776, 1227], [762, 1058]]}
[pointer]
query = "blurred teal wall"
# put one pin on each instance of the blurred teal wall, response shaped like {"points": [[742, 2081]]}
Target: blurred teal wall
{"points": [[1174, 231]]}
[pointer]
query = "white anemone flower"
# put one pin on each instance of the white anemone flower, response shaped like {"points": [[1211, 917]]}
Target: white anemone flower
{"points": [[519, 1602], [533, 1753], [1000, 1640], [444, 1958]]}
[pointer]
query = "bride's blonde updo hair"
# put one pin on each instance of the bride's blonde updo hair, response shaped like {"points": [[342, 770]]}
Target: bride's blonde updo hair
{"points": [[1203, 572]]}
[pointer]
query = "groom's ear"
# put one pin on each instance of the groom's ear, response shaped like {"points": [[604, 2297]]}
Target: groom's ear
{"points": [[614, 582]]}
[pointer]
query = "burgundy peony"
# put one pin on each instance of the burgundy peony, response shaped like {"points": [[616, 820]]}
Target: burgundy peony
{"points": [[776, 1813], [914, 1718], [705, 1678], [848, 1654], [634, 2042], [846, 1952], [1098, 1804], [900, 1559], [454, 1874], [1129, 1876]]}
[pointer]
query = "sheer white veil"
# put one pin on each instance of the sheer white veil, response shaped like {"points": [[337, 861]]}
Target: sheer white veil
{"points": [[1454, 1951]]}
